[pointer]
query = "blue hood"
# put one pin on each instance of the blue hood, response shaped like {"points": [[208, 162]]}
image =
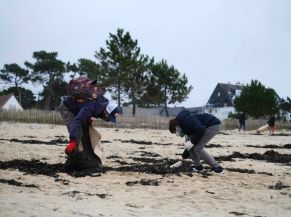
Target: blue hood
{"points": [[182, 116]]}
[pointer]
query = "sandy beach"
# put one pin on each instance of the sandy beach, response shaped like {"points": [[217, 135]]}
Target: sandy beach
{"points": [[137, 180]]}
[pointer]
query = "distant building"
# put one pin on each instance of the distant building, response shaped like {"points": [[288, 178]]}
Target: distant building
{"points": [[221, 100], [224, 94], [9, 102]]}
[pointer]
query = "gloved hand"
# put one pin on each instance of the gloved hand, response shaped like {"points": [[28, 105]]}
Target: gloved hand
{"points": [[71, 147], [188, 145], [177, 164]]}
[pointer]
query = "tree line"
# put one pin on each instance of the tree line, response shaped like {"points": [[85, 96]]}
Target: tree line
{"points": [[258, 101], [131, 77]]}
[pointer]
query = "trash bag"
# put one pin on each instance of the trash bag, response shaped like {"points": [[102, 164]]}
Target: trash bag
{"points": [[85, 159]]}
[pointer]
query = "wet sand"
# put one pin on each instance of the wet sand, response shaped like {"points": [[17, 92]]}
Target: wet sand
{"points": [[136, 179]]}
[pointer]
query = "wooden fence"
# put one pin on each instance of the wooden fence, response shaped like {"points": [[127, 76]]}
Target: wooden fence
{"points": [[125, 121]]}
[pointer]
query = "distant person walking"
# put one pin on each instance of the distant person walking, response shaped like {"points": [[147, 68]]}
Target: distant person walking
{"points": [[242, 121], [271, 123]]}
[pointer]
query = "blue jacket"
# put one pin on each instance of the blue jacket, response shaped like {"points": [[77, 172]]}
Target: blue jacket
{"points": [[83, 111], [194, 125]]}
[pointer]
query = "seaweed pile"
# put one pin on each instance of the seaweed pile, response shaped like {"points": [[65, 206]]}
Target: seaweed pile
{"points": [[269, 156], [148, 165]]}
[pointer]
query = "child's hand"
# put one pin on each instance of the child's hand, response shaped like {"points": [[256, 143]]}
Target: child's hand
{"points": [[71, 147]]}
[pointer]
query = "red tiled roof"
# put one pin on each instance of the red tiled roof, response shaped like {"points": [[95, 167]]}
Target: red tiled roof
{"points": [[4, 99]]}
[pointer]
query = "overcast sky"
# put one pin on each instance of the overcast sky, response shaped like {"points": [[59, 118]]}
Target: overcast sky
{"points": [[210, 41]]}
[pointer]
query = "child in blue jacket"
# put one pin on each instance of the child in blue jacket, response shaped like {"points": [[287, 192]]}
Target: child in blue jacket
{"points": [[199, 129], [84, 101], [77, 113]]}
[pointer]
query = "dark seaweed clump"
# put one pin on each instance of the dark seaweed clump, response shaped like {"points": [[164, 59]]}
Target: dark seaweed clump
{"points": [[136, 142], [278, 186], [36, 167], [155, 166], [237, 213], [58, 142], [121, 162], [152, 182], [239, 170], [280, 134], [112, 157], [147, 154], [269, 156], [74, 193], [286, 146], [211, 145], [142, 142], [17, 183]]}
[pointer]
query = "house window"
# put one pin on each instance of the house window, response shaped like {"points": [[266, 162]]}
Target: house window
{"points": [[218, 94]]}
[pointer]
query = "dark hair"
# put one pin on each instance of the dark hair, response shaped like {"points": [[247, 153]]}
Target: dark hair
{"points": [[172, 125]]}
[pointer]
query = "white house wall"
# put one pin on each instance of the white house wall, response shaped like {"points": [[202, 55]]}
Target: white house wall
{"points": [[12, 104], [221, 113]]}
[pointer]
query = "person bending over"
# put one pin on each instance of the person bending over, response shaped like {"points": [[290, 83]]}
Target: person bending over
{"points": [[199, 130], [83, 102]]}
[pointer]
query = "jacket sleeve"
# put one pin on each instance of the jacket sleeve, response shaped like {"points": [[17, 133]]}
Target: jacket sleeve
{"points": [[76, 125], [99, 109], [196, 128]]}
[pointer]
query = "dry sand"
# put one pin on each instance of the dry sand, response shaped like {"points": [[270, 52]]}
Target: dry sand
{"points": [[249, 187]]}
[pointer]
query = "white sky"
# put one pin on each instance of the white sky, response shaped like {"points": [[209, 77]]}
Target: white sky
{"points": [[210, 41]]}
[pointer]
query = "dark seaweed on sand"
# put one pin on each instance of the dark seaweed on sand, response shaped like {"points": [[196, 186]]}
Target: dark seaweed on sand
{"points": [[142, 142], [36, 167], [152, 182], [59, 142], [160, 166], [74, 193], [278, 186], [269, 156], [17, 183], [286, 146]]}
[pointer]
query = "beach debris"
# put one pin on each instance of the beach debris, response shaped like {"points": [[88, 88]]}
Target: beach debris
{"points": [[152, 182], [75, 193], [278, 186], [63, 181], [58, 142], [142, 142], [17, 183], [237, 213], [286, 146]]}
